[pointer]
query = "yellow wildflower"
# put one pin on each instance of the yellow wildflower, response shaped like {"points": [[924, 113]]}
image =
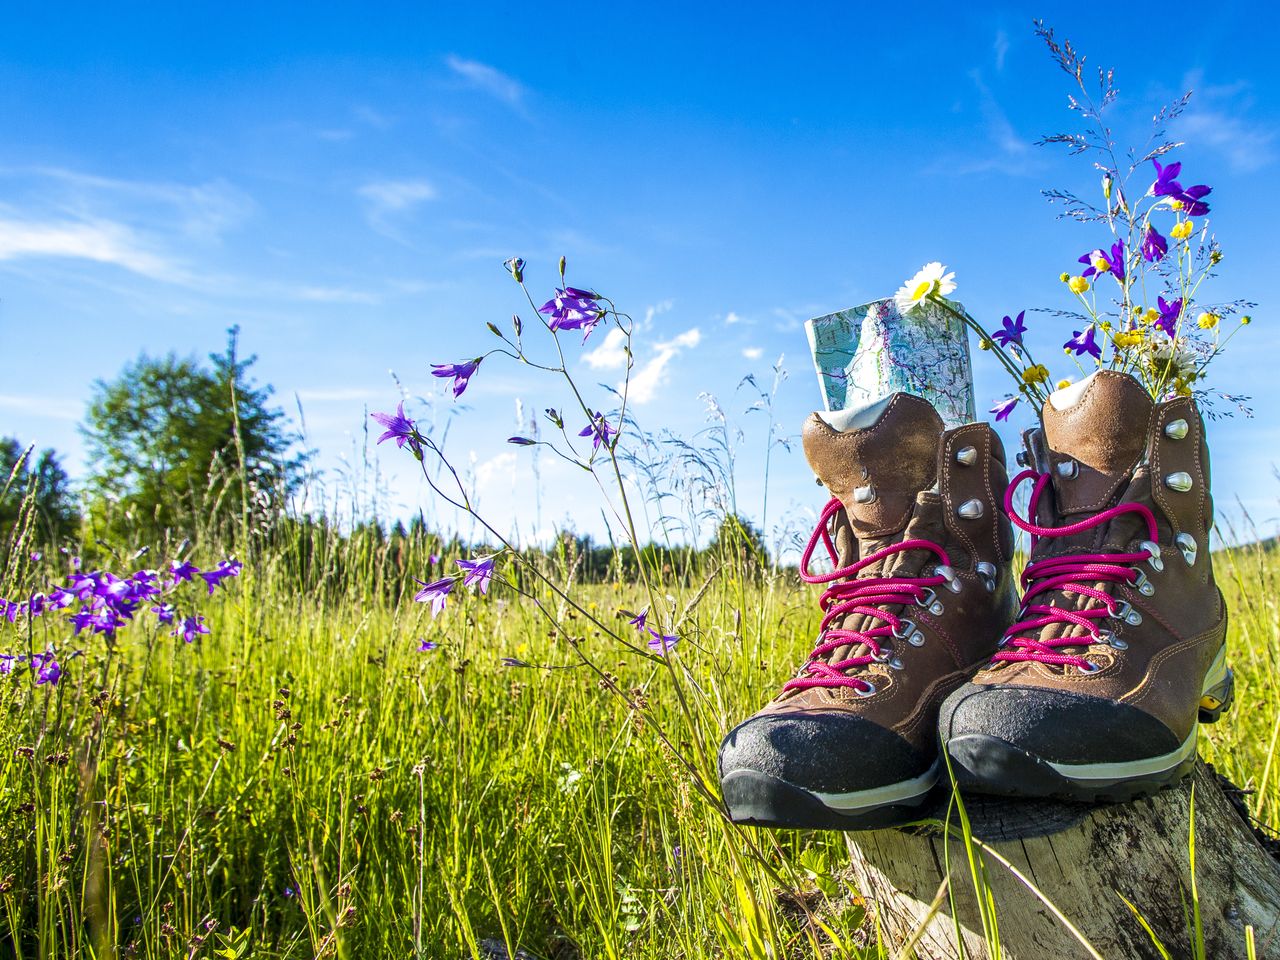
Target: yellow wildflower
{"points": [[1064, 277], [1246, 320], [1128, 338], [1215, 257], [1102, 265], [1182, 230], [1064, 383], [1078, 284], [1207, 320], [1176, 204], [1151, 316], [1037, 374]]}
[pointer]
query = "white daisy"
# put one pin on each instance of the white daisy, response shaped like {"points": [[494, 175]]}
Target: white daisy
{"points": [[931, 280]]}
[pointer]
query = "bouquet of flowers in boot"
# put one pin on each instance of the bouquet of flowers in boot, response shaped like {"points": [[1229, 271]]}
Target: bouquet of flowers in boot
{"points": [[1138, 306]]}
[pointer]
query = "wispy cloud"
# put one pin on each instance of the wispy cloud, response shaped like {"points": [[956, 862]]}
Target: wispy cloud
{"points": [[654, 374], [490, 80], [337, 295], [101, 242], [1217, 119], [56, 408], [753, 353], [732, 318], [1000, 48], [387, 199], [611, 354]]}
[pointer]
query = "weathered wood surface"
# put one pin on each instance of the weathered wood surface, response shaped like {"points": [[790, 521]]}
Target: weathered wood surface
{"points": [[1082, 858]]}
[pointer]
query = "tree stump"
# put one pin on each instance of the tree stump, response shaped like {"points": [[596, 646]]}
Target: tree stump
{"points": [[1083, 859]]}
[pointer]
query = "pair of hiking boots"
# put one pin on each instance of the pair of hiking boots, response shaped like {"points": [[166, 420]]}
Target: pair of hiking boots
{"points": [[1088, 686]]}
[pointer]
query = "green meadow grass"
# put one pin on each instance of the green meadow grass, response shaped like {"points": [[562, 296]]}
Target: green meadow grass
{"points": [[305, 783]]}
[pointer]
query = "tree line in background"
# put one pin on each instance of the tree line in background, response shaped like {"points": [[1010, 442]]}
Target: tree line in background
{"points": [[181, 450]]}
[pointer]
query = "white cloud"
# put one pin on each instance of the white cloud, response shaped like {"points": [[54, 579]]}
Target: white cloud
{"points": [[395, 196], [99, 241], [500, 467], [56, 408], [1001, 48], [611, 354], [753, 353], [489, 79], [1216, 118], [731, 318], [337, 295], [644, 385]]}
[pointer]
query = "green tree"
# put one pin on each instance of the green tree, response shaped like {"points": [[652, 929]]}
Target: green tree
{"points": [[42, 479], [737, 541], [175, 445]]}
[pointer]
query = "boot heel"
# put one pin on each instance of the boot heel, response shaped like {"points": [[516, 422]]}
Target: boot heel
{"points": [[1217, 698]]}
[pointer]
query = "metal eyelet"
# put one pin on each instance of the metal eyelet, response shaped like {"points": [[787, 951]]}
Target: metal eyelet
{"points": [[1127, 613], [930, 602], [1068, 469], [1095, 667], [865, 494], [895, 663], [916, 639], [903, 629], [1144, 585], [953, 581], [971, 509], [1176, 429], [967, 456], [1153, 551], [870, 691], [1187, 544], [1109, 638]]}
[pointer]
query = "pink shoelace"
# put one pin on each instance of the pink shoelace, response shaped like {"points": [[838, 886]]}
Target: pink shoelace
{"points": [[866, 596], [1063, 574]]}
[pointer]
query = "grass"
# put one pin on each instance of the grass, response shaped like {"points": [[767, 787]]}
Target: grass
{"points": [[305, 783]]}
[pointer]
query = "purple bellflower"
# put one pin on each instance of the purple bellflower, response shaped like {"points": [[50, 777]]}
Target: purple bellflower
{"points": [[573, 309], [477, 573], [1169, 314], [397, 427], [1083, 342], [46, 667], [1192, 198], [1154, 246], [165, 612], [181, 570], [662, 643], [426, 646], [436, 593], [1012, 332], [1114, 260], [599, 431], [640, 620], [189, 628], [1004, 408], [461, 372]]}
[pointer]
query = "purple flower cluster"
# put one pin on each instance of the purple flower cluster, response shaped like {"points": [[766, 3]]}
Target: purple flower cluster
{"points": [[103, 602], [574, 309], [475, 573]]}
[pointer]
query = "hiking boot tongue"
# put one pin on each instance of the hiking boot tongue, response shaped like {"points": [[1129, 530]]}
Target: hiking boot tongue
{"points": [[882, 458], [1096, 434]]}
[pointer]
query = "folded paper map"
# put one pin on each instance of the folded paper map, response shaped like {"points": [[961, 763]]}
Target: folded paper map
{"points": [[868, 352]]}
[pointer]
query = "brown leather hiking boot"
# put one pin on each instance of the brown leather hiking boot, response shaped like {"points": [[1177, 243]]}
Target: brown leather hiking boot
{"points": [[920, 592], [1118, 653]]}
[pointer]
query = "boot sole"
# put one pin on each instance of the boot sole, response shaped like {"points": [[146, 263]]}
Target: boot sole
{"points": [[982, 763], [758, 799]]}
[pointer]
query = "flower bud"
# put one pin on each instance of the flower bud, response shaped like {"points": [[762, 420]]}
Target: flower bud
{"points": [[1106, 186], [1246, 320], [562, 266], [1215, 257], [521, 441], [555, 417], [1078, 284], [1064, 277], [515, 266], [493, 328], [515, 322]]}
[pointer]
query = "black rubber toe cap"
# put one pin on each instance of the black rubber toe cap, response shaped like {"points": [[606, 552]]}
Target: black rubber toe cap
{"points": [[1056, 725], [826, 752]]}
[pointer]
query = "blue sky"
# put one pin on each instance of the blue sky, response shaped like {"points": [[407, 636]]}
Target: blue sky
{"points": [[343, 183]]}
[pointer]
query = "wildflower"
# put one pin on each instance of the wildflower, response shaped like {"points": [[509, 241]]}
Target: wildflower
{"points": [[6, 663], [1036, 374], [1192, 200], [81, 620], [477, 573], [1150, 315], [461, 372], [1169, 314], [1154, 246], [46, 667], [436, 593], [930, 280], [1004, 408], [1207, 320], [59, 599], [189, 628], [398, 427], [1166, 184], [228, 568], [1182, 229], [433, 559], [521, 441], [639, 621], [1128, 338], [1078, 284], [599, 430], [165, 612], [1215, 257], [426, 646], [1064, 277], [183, 570], [1103, 261], [662, 643], [573, 309], [1083, 342], [1012, 332], [1246, 320], [36, 556], [515, 266], [1064, 383]]}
